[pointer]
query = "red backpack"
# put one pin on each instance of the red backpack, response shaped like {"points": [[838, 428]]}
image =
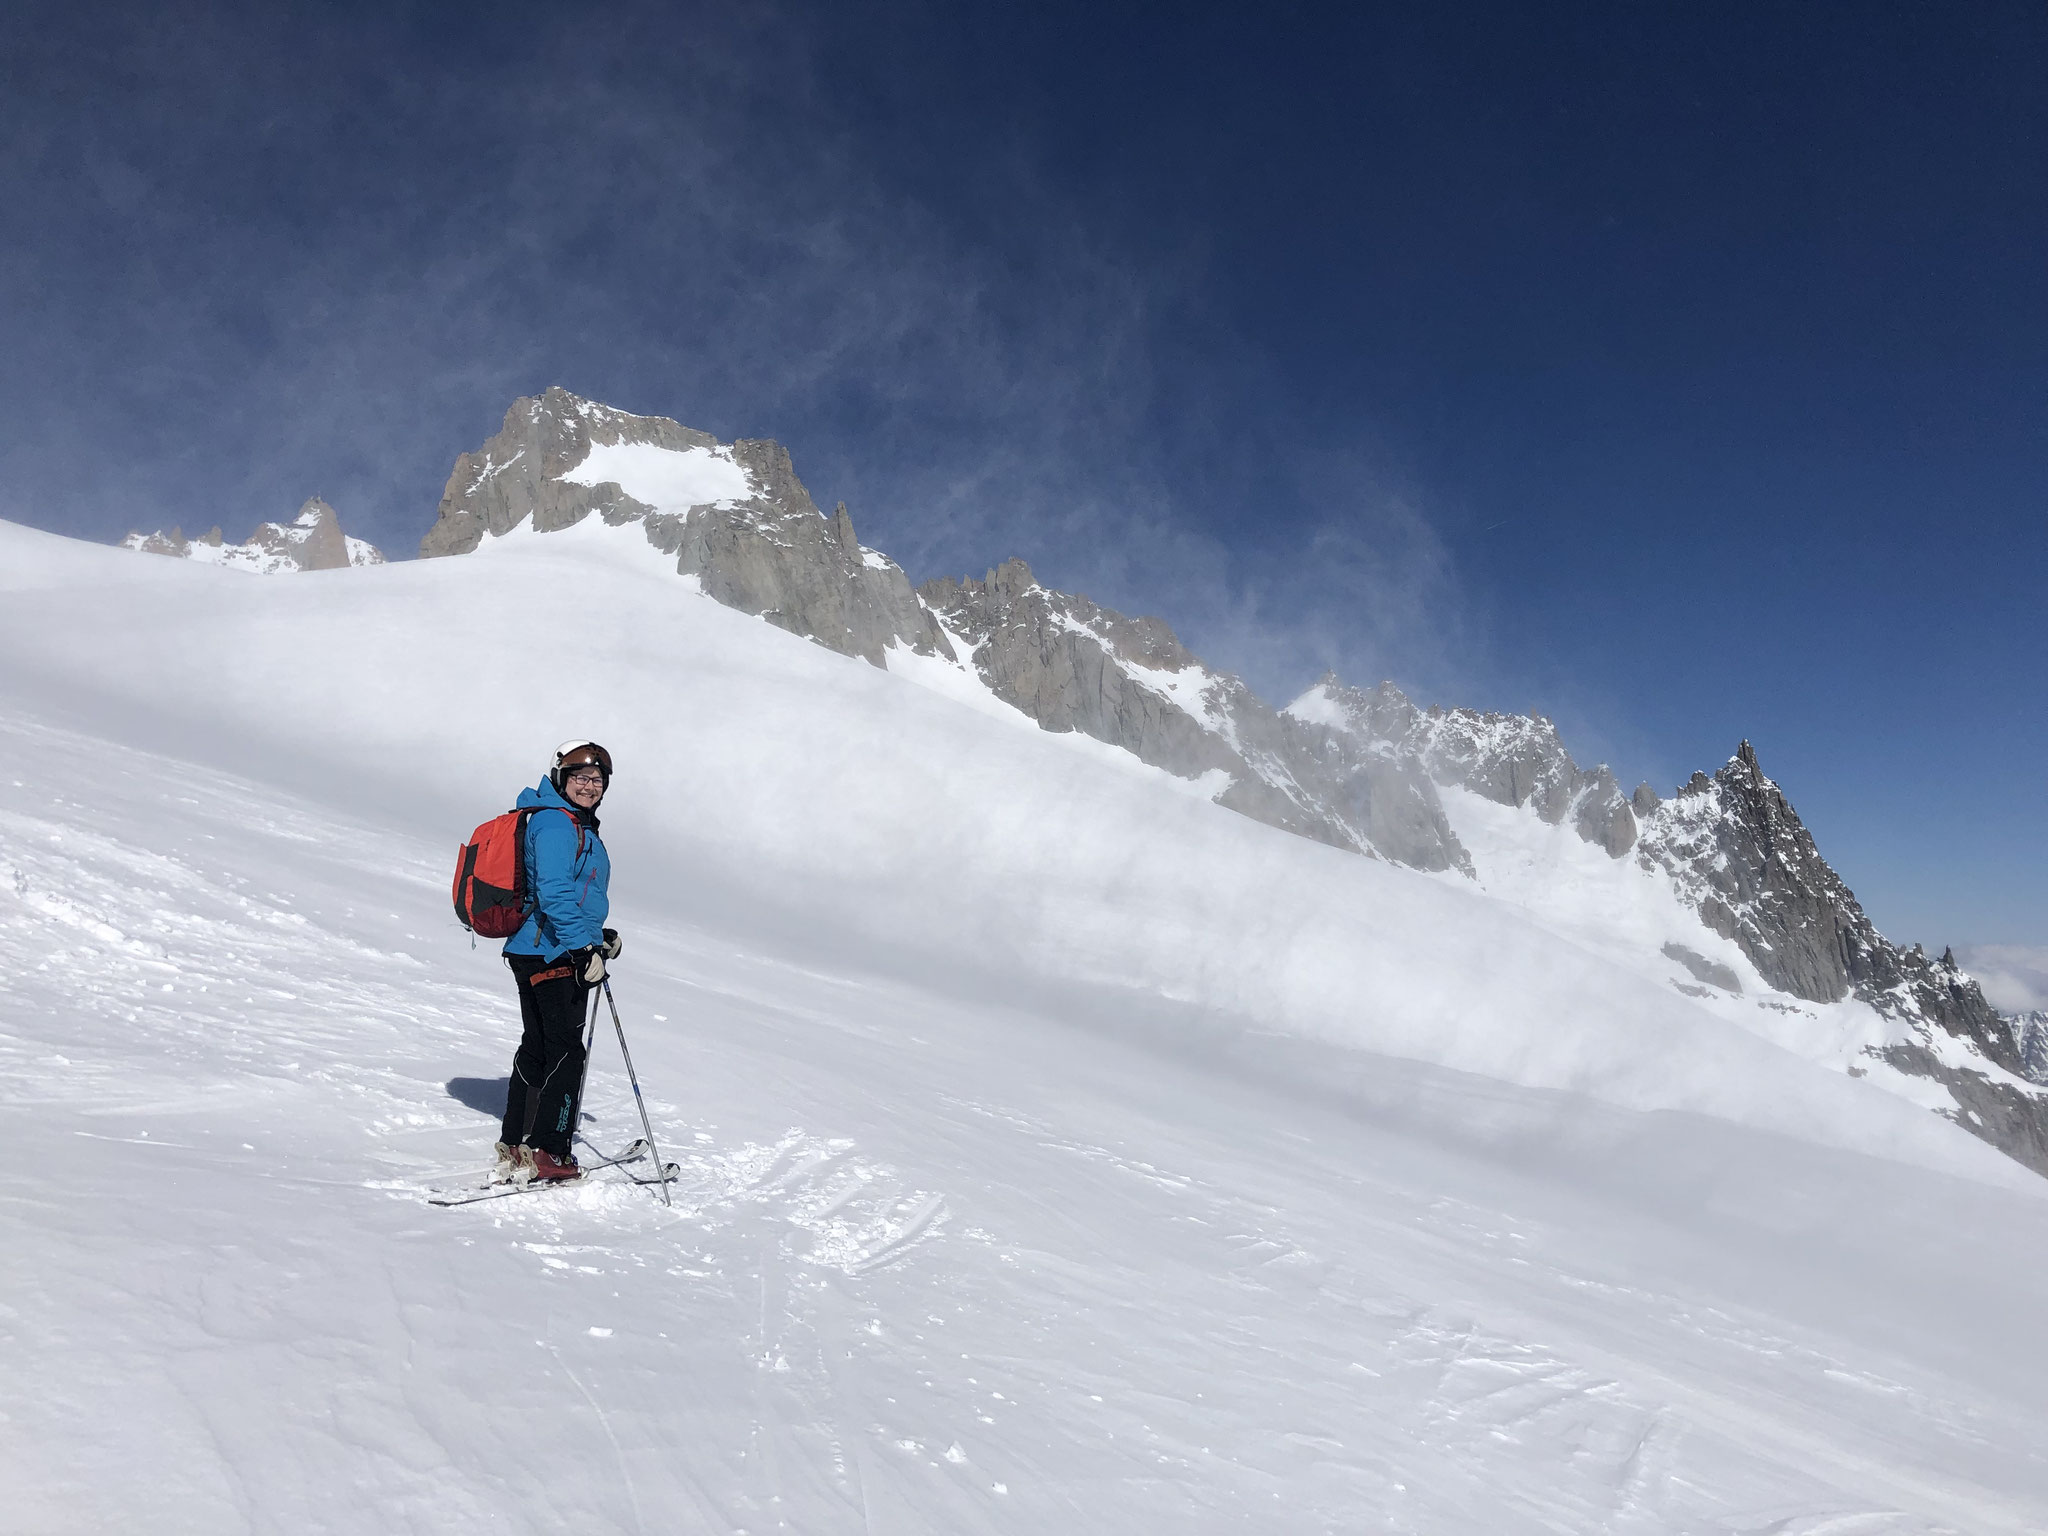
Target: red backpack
{"points": [[491, 894]]}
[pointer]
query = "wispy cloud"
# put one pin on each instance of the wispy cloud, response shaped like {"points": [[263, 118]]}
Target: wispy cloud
{"points": [[2014, 976], [325, 259]]}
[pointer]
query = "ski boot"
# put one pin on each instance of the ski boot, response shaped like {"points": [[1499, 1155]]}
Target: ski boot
{"points": [[550, 1169], [515, 1165]]}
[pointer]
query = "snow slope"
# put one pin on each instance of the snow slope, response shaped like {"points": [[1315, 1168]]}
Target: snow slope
{"points": [[1630, 915], [31, 560], [1062, 1153]]}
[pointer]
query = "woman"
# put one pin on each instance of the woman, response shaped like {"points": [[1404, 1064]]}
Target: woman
{"points": [[556, 957]]}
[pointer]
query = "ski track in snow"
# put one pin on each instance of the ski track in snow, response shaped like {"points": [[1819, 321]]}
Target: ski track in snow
{"points": [[935, 1263]]}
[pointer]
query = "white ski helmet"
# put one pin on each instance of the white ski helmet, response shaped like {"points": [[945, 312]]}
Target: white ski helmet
{"points": [[576, 754]]}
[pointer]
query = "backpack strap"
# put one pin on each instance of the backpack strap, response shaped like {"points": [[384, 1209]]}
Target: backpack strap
{"points": [[525, 816], [524, 894]]}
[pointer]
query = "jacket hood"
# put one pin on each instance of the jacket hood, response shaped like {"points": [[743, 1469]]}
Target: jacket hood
{"points": [[544, 796]]}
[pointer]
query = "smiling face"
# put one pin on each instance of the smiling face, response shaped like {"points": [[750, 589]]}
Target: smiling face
{"points": [[584, 786]]}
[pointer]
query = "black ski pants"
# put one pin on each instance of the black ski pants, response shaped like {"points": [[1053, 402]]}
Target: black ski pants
{"points": [[547, 1072]]}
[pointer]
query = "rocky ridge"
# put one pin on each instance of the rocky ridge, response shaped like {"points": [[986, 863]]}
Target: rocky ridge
{"points": [[734, 515], [311, 541], [1356, 769], [1072, 665], [1738, 853], [1513, 760]]}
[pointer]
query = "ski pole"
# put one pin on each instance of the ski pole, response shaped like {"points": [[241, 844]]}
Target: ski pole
{"points": [[589, 1038], [660, 1168]]}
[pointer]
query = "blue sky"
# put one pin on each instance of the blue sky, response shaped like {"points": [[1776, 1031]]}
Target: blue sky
{"points": [[1682, 374]]}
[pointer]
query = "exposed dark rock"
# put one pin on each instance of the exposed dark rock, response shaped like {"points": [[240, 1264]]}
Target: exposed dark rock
{"points": [[1739, 853], [769, 551], [1712, 972], [174, 543], [1057, 658], [2009, 1117]]}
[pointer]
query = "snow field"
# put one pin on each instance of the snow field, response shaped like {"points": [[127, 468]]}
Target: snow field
{"points": [[779, 784], [1000, 1212], [666, 479]]}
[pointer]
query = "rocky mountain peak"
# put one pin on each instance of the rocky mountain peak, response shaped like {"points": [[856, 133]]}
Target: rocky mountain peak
{"points": [[518, 476], [1739, 853], [312, 541], [735, 516], [1736, 850]]}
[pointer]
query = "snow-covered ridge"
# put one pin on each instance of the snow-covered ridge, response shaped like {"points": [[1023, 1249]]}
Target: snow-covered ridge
{"points": [[1367, 771], [1060, 868], [311, 541]]}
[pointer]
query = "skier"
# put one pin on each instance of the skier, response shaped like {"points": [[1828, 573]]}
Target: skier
{"points": [[557, 957]]}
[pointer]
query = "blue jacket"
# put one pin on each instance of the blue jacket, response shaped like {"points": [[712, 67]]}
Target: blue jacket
{"points": [[568, 888]]}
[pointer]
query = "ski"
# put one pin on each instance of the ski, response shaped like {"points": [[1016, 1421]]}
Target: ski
{"points": [[493, 1192], [450, 1197], [632, 1152]]}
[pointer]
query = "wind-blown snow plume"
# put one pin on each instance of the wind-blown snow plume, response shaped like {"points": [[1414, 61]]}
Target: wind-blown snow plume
{"points": [[2015, 976]]}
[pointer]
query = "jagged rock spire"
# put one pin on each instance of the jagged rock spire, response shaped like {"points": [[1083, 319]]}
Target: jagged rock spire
{"points": [[1737, 850]]}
